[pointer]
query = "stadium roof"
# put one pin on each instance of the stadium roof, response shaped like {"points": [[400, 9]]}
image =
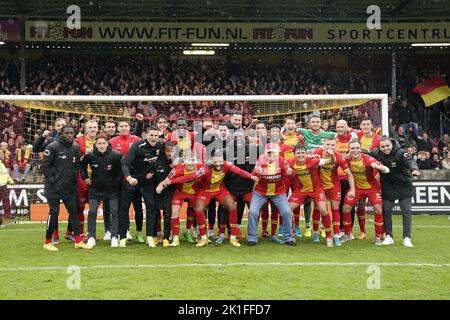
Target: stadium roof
{"points": [[234, 10]]}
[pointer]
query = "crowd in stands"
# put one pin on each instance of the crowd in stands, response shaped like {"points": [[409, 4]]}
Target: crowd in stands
{"points": [[136, 75]]}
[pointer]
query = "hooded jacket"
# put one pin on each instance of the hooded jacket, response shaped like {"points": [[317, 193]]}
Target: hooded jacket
{"points": [[41, 143], [398, 183], [106, 173], [60, 166]]}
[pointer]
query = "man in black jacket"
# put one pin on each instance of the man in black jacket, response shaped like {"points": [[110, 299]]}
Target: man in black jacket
{"points": [[163, 167], [104, 185], [48, 137], [60, 167], [138, 168], [243, 155], [396, 185]]}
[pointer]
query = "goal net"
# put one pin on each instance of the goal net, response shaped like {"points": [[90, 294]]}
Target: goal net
{"points": [[24, 118]]}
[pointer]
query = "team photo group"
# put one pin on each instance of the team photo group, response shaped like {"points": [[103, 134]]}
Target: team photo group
{"points": [[221, 171]]}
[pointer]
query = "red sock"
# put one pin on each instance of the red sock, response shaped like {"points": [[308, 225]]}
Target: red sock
{"points": [[274, 223], [210, 226], [47, 241], [378, 224], [326, 221], [81, 219], [336, 221], [316, 220], [56, 233], [201, 222], [78, 239], [361, 212], [233, 221], [222, 228], [347, 223], [190, 217], [175, 226], [296, 217]]}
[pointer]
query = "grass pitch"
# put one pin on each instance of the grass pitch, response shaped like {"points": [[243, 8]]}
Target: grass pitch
{"points": [[266, 271]]}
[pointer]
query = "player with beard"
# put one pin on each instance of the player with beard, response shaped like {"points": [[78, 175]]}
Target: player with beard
{"points": [[313, 138], [364, 169]]}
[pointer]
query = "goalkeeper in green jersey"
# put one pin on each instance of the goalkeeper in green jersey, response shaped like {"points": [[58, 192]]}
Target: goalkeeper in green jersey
{"points": [[313, 138]]}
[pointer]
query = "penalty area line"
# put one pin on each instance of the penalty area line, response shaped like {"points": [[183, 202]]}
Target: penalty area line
{"points": [[234, 264]]}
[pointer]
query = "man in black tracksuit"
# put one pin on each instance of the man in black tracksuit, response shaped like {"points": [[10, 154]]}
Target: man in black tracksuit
{"points": [[138, 168], [104, 184], [60, 168], [243, 155], [164, 199], [48, 137], [396, 185]]}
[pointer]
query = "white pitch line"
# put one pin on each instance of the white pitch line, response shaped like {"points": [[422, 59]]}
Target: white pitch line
{"points": [[237, 264]]}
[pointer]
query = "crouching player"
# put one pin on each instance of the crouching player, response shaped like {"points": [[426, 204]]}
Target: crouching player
{"points": [[186, 191], [307, 184], [211, 186], [364, 169], [104, 185], [270, 168], [329, 177]]}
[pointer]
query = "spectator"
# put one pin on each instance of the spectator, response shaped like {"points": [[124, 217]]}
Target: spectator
{"points": [[401, 137], [436, 160], [405, 118], [423, 163], [424, 143], [411, 150], [444, 142], [446, 161]]}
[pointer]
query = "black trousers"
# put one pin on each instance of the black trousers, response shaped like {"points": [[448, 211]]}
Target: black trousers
{"points": [[405, 206], [72, 204], [146, 191], [222, 214], [138, 212], [164, 203], [106, 216], [240, 205], [345, 187], [113, 205]]}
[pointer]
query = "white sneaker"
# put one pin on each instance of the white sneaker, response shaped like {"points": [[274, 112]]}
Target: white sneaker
{"points": [[107, 236], [151, 242], [122, 243], [407, 243], [387, 241], [129, 237], [91, 242], [114, 242], [352, 236], [329, 243], [211, 234], [378, 242]]}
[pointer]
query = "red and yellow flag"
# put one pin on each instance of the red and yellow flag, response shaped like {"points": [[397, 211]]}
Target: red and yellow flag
{"points": [[432, 90]]}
